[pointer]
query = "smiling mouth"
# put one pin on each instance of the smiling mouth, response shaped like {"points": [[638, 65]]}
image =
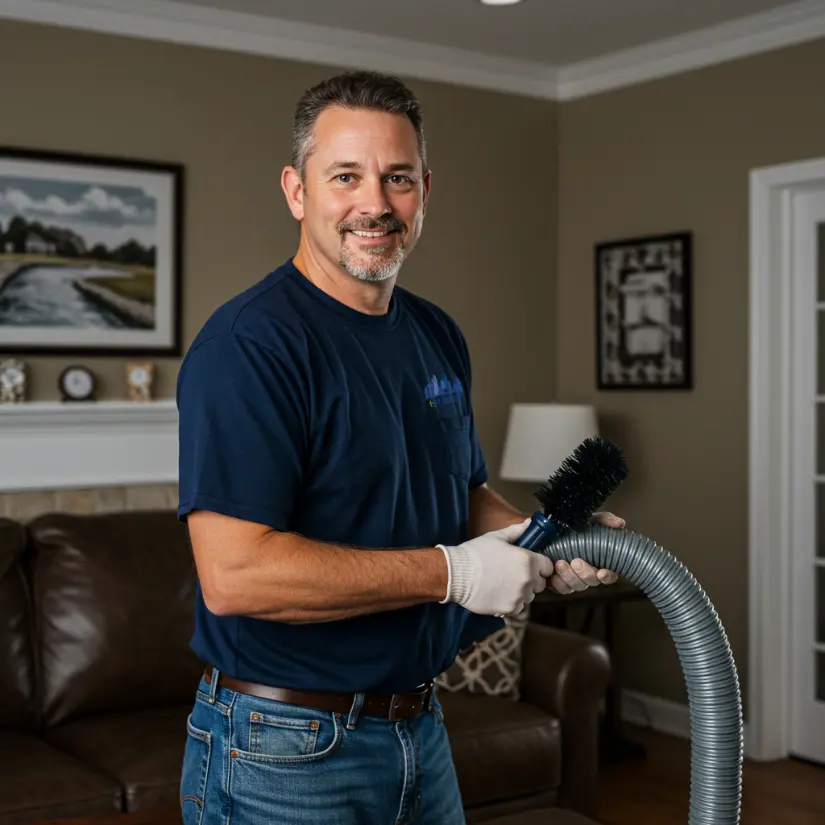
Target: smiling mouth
{"points": [[381, 233]]}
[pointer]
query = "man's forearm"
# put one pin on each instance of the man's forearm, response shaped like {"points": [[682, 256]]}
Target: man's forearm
{"points": [[292, 579], [490, 511]]}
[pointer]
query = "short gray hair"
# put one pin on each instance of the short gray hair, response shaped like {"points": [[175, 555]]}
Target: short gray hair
{"points": [[354, 90]]}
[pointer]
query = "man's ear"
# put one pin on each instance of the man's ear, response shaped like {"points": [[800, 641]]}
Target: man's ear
{"points": [[293, 188], [427, 181]]}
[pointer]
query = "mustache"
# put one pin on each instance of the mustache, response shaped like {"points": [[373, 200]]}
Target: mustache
{"points": [[370, 225]]}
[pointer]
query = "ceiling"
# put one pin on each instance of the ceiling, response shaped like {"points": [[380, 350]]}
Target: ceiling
{"points": [[551, 49], [552, 32]]}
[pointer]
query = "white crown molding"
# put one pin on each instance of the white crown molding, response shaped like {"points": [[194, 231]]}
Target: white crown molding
{"points": [[787, 26], [266, 36], [55, 445]]}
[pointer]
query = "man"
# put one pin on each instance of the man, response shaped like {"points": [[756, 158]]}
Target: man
{"points": [[346, 541]]}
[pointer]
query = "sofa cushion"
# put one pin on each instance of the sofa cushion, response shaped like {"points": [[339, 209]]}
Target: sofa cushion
{"points": [[142, 750], [38, 781], [492, 666], [17, 705], [115, 599], [501, 749]]}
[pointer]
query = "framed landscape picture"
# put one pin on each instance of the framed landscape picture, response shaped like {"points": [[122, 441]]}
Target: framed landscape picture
{"points": [[90, 254], [643, 313]]}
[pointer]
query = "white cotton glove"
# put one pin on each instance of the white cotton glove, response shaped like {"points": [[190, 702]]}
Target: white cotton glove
{"points": [[490, 576]]}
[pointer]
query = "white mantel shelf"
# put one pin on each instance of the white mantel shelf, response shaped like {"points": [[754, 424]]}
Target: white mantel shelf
{"points": [[47, 445]]}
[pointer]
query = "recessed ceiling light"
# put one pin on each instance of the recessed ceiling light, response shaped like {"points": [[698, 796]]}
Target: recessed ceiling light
{"points": [[500, 2]]}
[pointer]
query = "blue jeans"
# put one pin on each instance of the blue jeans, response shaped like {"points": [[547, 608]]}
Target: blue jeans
{"points": [[251, 761]]}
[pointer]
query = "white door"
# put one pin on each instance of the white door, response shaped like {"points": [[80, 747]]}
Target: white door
{"points": [[807, 597]]}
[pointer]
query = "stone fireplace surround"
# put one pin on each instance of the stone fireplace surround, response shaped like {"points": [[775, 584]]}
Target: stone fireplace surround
{"points": [[87, 457]]}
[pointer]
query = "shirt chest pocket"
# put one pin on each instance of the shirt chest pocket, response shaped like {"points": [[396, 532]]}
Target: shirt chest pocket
{"points": [[452, 444]]}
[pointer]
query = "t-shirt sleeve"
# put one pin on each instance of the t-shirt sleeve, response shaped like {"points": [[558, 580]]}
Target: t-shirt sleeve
{"points": [[242, 431]]}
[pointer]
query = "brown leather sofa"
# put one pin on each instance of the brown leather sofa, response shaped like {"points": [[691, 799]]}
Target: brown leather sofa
{"points": [[96, 679]]}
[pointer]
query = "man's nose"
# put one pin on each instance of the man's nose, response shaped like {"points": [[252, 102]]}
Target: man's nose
{"points": [[374, 199]]}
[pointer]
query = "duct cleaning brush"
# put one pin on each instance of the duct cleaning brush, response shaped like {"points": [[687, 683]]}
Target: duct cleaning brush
{"points": [[575, 491]]}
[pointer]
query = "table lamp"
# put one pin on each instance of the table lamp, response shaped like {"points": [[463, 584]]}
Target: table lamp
{"points": [[541, 436]]}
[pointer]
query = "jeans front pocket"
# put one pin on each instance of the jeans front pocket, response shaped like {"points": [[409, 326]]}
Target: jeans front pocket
{"points": [[194, 773], [291, 738]]}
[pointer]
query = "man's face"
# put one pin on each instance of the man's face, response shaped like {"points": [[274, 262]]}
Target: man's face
{"points": [[364, 192]]}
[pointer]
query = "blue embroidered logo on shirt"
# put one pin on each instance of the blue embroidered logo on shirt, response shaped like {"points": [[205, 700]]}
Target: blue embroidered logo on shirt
{"points": [[443, 391]]}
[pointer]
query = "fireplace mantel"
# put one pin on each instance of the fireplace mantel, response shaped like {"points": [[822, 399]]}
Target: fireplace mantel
{"points": [[54, 445]]}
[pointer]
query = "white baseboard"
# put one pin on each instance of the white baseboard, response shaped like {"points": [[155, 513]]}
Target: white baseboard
{"points": [[661, 715]]}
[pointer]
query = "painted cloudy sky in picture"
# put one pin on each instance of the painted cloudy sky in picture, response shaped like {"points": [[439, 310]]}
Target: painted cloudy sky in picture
{"points": [[111, 215]]}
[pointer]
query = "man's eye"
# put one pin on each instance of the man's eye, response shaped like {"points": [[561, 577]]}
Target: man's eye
{"points": [[341, 178], [399, 179]]}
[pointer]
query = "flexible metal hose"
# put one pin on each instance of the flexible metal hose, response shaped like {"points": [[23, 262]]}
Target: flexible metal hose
{"points": [[702, 645]]}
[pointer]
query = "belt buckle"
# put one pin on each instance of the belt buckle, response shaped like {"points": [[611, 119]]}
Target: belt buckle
{"points": [[427, 698]]}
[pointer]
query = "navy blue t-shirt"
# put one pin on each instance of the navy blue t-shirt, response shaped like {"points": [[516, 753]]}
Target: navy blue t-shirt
{"points": [[303, 414]]}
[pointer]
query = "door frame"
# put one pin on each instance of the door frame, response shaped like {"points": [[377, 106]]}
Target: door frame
{"points": [[769, 471]]}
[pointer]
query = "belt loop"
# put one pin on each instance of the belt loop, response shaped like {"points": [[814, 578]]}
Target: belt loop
{"points": [[213, 685], [431, 697], [355, 710]]}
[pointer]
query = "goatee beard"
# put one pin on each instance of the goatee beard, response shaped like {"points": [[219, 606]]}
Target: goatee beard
{"points": [[380, 269]]}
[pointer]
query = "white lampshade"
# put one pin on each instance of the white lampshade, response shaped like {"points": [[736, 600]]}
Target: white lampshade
{"points": [[541, 436]]}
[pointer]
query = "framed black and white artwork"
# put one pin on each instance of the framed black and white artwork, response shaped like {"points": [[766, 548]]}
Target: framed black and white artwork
{"points": [[90, 254], [643, 313]]}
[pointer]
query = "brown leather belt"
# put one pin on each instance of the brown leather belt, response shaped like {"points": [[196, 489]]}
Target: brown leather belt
{"points": [[394, 707]]}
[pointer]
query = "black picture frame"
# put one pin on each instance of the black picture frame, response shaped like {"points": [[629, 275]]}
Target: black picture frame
{"points": [[644, 312], [93, 263]]}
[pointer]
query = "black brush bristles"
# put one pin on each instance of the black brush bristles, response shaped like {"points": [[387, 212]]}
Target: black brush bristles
{"points": [[582, 484]]}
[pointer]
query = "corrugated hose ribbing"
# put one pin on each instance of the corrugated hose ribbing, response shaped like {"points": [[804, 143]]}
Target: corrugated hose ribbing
{"points": [[704, 652]]}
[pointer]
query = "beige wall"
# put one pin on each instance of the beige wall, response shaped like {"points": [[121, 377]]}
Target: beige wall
{"points": [[670, 155], [488, 251]]}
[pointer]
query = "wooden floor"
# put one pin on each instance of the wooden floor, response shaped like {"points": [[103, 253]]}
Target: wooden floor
{"points": [[657, 789]]}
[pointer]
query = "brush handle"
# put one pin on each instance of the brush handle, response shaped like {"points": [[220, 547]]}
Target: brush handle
{"points": [[539, 533]]}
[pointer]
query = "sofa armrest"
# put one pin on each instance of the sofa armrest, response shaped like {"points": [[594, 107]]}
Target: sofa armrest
{"points": [[566, 674]]}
